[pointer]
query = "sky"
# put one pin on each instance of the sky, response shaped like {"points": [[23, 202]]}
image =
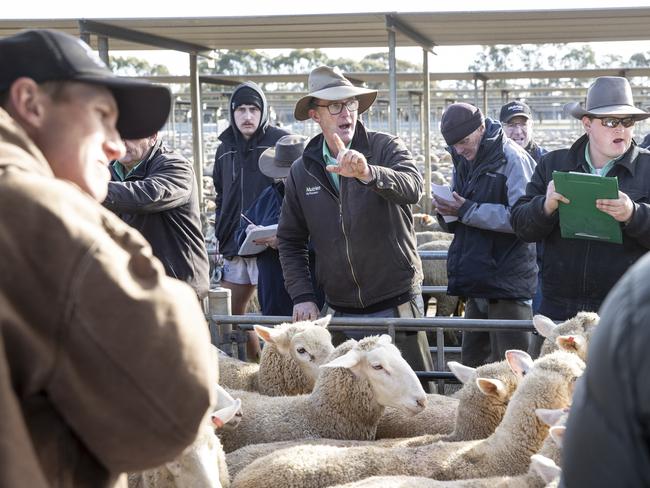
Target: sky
{"points": [[447, 59]]}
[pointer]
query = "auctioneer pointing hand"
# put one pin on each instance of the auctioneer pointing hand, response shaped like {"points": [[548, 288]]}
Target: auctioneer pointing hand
{"points": [[352, 164]]}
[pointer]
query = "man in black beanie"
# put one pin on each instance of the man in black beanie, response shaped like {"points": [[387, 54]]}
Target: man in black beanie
{"points": [[487, 263], [238, 182]]}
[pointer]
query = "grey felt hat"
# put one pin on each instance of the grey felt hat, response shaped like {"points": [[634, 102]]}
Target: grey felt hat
{"points": [[328, 84], [608, 95], [276, 161]]}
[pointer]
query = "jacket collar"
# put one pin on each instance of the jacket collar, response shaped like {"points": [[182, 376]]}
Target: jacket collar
{"points": [[18, 150], [628, 161]]}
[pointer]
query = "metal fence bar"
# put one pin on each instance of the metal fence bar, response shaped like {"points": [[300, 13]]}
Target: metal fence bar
{"points": [[400, 324]]}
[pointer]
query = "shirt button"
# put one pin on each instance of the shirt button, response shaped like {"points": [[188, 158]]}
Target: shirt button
{"points": [[380, 184]]}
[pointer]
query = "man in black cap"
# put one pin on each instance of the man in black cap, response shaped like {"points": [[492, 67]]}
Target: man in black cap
{"points": [[238, 182], [517, 120], [487, 263], [105, 364], [578, 273]]}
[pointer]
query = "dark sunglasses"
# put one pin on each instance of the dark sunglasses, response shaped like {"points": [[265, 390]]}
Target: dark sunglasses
{"points": [[612, 122]]}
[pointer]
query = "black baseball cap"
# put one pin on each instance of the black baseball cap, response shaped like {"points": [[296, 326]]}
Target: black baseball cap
{"points": [[48, 55], [514, 109]]}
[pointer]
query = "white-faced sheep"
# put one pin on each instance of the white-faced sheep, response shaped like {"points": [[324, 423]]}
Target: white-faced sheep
{"points": [[348, 399], [473, 413], [571, 335], [543, 467], [541, 470], [481, 404], [203, 463], [548, 384], [289, 361]]}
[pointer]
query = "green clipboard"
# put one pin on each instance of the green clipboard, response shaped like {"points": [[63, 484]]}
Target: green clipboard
{"points": [[580, 219]]}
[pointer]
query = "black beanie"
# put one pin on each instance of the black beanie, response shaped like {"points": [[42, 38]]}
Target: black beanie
{"points": [[246, 96], [459, 121]]}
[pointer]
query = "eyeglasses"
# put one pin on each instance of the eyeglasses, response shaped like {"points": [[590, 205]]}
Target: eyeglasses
{"points": [[612, 122], [337, 107]]}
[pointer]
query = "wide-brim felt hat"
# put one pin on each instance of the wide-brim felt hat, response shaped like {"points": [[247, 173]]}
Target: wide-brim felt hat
{"points": [[608, 96], [328, 84], [276, 161]]}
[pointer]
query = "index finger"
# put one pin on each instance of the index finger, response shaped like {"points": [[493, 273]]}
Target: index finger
{"points": [[338, 142]]}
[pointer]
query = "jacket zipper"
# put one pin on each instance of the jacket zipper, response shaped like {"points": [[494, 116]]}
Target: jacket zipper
{"points": [[347, 246], [584, 272]]}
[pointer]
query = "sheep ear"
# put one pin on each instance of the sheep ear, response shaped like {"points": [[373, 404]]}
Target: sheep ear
{"points": [[222, 416], [384, 339], [465, 374], [274, 336], [324, 321], [519, 361], [349, 360], [264, 333], [545, 467], [570, 343], [544, 325], [548, 416], [557, 434], [492, 387]]}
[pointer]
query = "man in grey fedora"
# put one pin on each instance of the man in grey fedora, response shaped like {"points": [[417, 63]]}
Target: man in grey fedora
{"points": [[349, 196], [577, 274]]}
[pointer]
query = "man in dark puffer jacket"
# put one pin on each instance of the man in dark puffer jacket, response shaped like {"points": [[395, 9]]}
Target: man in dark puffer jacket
{"points": [[487, 263]]}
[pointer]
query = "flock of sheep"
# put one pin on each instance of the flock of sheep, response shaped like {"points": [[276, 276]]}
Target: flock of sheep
{"points": [[311, 415]]}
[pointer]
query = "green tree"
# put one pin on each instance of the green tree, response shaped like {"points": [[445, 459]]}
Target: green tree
{"points": [[132, 66]]}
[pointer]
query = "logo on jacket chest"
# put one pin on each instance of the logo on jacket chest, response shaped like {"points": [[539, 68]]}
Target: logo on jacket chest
{"points": [[312, 190]]}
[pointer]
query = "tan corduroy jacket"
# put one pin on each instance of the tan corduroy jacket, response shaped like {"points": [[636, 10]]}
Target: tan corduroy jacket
{"points": [[104, 361]]}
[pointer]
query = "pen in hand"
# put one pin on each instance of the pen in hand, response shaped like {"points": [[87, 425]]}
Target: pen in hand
{"points": [[247, 219]]}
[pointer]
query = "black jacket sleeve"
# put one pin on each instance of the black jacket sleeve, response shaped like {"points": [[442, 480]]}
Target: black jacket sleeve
{"points": [[527, 216], [168, 185]]}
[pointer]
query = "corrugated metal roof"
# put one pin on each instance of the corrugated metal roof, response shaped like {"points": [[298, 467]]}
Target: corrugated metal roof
{"points": [[369, 30]]}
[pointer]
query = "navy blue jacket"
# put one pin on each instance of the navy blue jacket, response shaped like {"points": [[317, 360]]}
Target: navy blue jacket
{"points": [[236, 175], [160, 199], [271, 293], [486, 259]]}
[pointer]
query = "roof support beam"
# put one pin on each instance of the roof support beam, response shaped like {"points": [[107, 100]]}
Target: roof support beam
{"points": [[394, 24], [392, 83], [197, 125], [426, 142], [108, 30]]}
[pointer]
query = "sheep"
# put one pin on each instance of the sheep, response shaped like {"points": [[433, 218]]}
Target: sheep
{"points": [[435, 274], [548, 384], [481, 404], [348, 399], [432, 235], [289, 361], [543, 467], [572, 335], [422, 222], [203, 463], [542, 470]]}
